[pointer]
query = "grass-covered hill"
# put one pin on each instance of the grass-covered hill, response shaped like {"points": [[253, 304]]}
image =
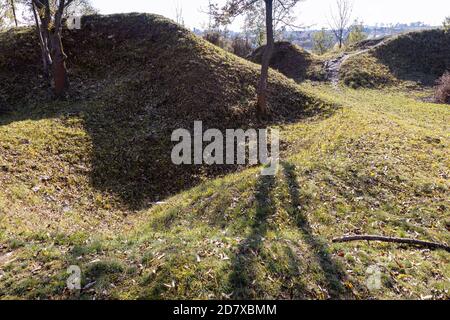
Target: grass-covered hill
{"points": [[292, 61], [79, 178], [421, 57], [137, 78]]}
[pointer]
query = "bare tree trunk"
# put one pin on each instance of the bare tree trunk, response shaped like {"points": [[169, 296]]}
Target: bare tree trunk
{"points": [[44, 49], [59, 70], [262, 87], [341, 19], [58, 57], [42, 15], [13, 8]]}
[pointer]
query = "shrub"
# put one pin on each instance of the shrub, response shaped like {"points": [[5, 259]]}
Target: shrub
{"points": [[213, 37], [241, 47], [356, 34], [323, 41], [216, 38], [443, 89]]}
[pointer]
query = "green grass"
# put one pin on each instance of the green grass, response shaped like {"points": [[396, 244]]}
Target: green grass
{"points": [[364, 70], [378, 165], [80, 179]]}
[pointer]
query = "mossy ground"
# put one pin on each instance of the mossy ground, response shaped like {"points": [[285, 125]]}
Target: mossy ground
{"points": [[379, 165]]}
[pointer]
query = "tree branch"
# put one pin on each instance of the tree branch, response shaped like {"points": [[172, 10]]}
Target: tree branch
{"points": [[415, 242]]}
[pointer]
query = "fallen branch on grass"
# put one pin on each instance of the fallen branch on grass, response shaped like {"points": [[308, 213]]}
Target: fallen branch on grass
{"points": [[414, 242]]}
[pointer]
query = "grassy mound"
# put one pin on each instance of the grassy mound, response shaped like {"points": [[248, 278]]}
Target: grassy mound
{"points": [[292, 61], [420, 57], [365, 44], [72, 173], [365, 71], [137, 78]]}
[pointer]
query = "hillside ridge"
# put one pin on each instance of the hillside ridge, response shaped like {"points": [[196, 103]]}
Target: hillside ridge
{"points": [[137, 77], [419, 57]]}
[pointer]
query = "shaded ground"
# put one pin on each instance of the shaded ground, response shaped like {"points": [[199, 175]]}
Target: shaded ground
{"points": [[420, 57]]}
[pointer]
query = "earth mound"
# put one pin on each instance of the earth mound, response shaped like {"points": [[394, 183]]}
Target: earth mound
{"points": [[292, 61], [137, 78], [420, 57]]}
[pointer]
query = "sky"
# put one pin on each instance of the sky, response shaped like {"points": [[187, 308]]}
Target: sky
{"points": [[315, 13]]}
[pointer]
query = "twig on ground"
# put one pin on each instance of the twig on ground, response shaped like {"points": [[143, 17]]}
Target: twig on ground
{"points": [[421, 243]]}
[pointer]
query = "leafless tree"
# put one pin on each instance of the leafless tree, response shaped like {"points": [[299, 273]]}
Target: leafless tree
{"points": [[340, 19], [13, 9], [48, 16], [179, 12], [49, 24], [8, 13]]}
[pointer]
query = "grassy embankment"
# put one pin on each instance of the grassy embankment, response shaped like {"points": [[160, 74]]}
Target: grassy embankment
{"points": [[80, 179], [380, 165]]}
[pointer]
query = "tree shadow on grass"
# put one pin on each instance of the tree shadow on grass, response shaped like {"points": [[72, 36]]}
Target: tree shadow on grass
{"points": [[134, 80], [131, 146], [243, 275], [251, 262], [334, 275]]}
